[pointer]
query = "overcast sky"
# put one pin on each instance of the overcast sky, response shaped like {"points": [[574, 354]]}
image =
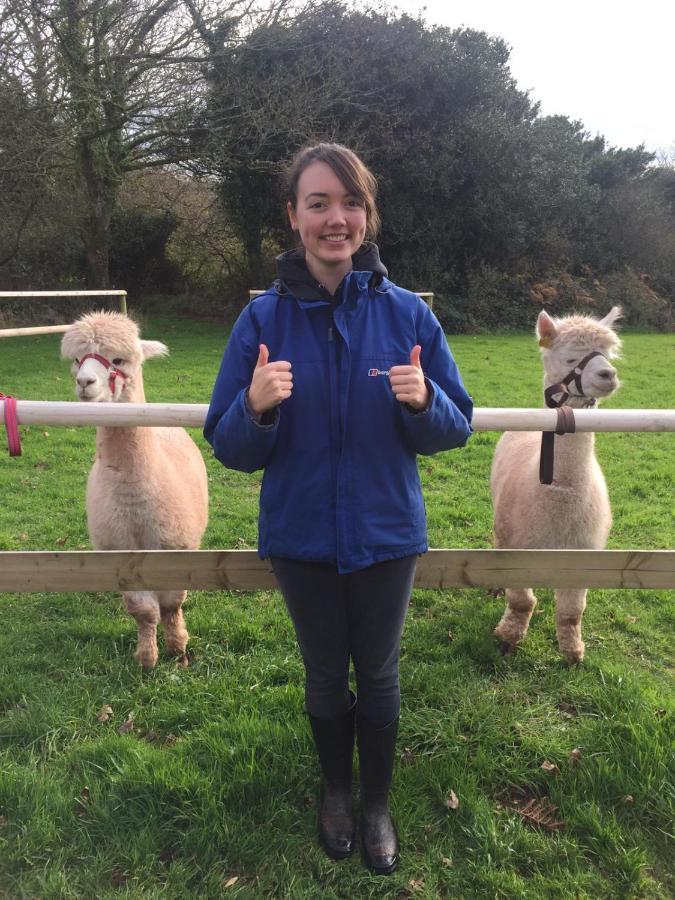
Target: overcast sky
{"points": [[607, 63]]}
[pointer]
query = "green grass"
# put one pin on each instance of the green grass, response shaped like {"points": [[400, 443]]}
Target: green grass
{"points": [[218, 777]]}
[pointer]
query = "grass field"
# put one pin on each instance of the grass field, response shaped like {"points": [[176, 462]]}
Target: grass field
{"points": [[212, 791]]}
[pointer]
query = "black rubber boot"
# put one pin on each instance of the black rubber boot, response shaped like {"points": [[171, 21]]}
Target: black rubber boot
{"points": [[334, 739], [379, 841]]}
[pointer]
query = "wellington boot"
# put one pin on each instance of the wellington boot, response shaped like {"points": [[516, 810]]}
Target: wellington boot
{"points": [[334, 739], [379, 841]]}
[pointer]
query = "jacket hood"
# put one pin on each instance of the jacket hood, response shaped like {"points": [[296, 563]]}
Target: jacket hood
{"points": [[296, 279]]}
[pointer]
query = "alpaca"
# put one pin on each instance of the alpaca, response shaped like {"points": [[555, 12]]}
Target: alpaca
{"points": [[147, 488], [573, 512]]}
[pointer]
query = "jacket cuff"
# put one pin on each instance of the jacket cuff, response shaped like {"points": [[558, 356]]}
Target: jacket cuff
{"points": [[422, 412], [267, 420]]}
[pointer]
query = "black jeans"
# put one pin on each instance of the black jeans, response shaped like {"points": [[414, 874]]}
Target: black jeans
{"points": [[359, 615]]}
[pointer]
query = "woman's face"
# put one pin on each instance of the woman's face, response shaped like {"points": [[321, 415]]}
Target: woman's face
{"points": [[331, 222]]}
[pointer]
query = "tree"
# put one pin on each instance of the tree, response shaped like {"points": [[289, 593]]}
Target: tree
{"points": [[119, 82]]}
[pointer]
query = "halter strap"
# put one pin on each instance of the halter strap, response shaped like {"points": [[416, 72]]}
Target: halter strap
{"points": [[11, 424], [113, 372], [555, 396], [560, 389]]}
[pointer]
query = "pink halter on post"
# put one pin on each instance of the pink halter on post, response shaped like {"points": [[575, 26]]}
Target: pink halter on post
{"points": [[113, 372], [11, 425]]}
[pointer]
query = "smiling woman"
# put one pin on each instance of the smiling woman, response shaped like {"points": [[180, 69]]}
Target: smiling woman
{"points": [[342, 517]]}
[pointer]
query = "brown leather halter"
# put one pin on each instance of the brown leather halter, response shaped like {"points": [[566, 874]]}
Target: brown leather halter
{"points": [[555, 396]]}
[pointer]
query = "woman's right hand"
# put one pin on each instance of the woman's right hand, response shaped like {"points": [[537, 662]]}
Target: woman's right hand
{"points": [[272, 382]]}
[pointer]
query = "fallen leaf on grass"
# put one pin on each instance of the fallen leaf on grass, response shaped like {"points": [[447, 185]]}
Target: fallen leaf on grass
{"points": [[416, 884], [127, 726], [452, 801], [541, 812], [447, 862], [575, 756], [550, 767], [231, 881], [23, 536], [628, 798], [60, 541], [407, 756], [81, 802], [451, 636], [104, 713], [309, 800], [119, 878]]}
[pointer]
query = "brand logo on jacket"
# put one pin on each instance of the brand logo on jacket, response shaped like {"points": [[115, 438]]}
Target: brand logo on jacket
{"points": [[373, 373]]}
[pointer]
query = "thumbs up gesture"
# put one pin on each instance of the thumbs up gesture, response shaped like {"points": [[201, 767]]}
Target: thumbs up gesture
{"points": [[272, 382], [407, 382]]}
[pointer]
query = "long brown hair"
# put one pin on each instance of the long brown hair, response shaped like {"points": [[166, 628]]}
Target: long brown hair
{"points": [[354, 175]]}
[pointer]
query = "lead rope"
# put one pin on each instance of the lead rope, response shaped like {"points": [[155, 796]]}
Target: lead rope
{"points": [[566, 424], [11, 424]]}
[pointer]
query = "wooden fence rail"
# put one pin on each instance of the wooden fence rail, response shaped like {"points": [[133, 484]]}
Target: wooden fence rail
{"points": [[48, 412], [28, 572], [37, 295]]}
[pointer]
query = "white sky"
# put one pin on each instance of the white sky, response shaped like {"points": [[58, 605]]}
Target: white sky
{"points": [[608, 63]]}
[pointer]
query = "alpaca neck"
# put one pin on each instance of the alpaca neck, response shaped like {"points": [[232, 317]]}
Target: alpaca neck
{"points": [[574, 456], [122, 448]]}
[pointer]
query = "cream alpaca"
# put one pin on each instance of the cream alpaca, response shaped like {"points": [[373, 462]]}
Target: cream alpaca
{"points": [[573, 512], [147, 488]]}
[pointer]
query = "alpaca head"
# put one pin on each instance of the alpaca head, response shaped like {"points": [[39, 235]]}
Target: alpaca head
{"points": [[115, 340], [565, 342]]}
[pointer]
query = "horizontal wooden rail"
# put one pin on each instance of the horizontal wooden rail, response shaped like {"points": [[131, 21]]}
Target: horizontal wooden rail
{"points": [[33, 329], [33, 294], [28, 572], [50, 412], [53, 329]]}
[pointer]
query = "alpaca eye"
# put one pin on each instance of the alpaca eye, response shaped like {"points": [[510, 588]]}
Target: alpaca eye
{"points": [[77, 361], [118, 361]]}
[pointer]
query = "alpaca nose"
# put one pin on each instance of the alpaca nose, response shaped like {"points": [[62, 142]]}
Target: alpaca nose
{"points": [[607, 373], [83, 381]]}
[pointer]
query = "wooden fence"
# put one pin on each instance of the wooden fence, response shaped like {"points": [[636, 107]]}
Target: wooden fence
{"points": [[53, 329], [242, 569]]}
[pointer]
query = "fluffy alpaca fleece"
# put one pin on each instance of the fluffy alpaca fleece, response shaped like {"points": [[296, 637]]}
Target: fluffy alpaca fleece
{"points": [[574, 511], [147, 488]]}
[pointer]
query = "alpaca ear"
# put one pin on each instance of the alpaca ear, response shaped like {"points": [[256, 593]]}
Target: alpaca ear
{"points": [[611, 317], [546, 330], [151, 349]]}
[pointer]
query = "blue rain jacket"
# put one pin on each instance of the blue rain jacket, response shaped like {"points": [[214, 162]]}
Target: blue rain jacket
{"points": [[340, 483]]}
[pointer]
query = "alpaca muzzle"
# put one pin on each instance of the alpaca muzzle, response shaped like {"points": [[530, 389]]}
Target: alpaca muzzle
{"points": [[113, 372]]}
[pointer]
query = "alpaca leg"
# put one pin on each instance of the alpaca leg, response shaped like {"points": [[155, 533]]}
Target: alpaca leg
{"points": [[144, 607], [569, 608], [175, 632], [516, 619]]}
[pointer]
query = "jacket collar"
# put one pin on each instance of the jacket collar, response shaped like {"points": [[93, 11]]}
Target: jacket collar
{"points": [[296, 279]]}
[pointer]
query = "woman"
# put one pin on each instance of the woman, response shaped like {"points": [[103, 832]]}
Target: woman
{"points": [[332, 381]]}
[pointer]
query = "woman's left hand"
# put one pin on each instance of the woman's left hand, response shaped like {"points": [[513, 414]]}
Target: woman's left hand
{"points": [[407, 382]]}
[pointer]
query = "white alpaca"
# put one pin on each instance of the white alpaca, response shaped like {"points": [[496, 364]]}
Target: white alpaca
{"points": [[147, 488], [573, 512]]}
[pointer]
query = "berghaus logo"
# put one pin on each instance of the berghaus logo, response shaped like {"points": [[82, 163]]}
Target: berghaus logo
{"points": [[373, 373]]}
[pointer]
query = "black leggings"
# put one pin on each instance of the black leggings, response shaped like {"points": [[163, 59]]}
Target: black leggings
{"points": [[359, 615]]}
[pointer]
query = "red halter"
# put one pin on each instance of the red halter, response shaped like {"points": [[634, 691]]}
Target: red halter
{"points": [[113, 372]]}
